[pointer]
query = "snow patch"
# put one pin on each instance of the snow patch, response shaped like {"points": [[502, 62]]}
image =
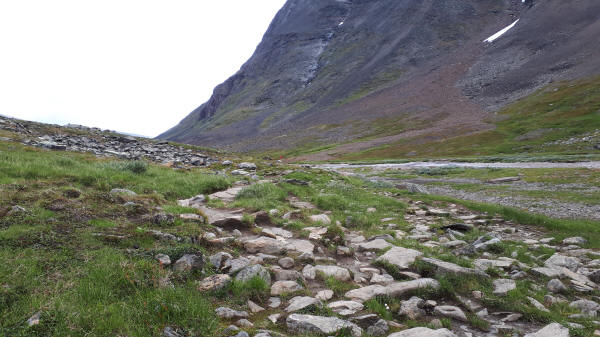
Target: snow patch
{"points": [[500, 33]]}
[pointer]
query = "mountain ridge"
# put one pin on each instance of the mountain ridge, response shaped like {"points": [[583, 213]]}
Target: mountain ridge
{"points": [[333, 72]]}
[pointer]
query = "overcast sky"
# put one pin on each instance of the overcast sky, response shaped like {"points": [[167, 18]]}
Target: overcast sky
{"points": [[136, 66]]}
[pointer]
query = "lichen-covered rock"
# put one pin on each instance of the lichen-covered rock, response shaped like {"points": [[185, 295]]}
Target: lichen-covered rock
{"points": [[307, 324]]}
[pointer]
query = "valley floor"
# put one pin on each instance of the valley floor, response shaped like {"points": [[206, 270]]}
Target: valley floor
{"points": [[104, 247]]}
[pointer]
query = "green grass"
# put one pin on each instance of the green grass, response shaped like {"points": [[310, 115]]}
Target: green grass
{"points": [[19, 164], [263, 196], [117, 289], [102, 223]]}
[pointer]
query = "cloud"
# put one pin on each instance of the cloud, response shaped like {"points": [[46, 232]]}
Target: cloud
{"points": [[136, 66]]}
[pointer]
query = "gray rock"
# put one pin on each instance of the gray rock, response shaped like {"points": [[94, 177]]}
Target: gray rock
{"points": [[163, 259], [214, 282], [382, 279], [339, 273], [235, 265], [380, 328], [254, 308], [274, 302], [503, 286], [250, 272], [556, 286], [345, 308], [396, 289], [450, 312], [423, 332], [229, 220], [275, 233], [558, 261], [35, 319], [537, 304], [309, 272], [444, 267], [170, 332], [244, 323], [240, 173], [301, 302], [286, 275], [577, 240], [286, 262], [228, 313], [588, 308], [189, 262], [247, 166], [412, 308], [551, 330], [400, 257], [122, 191], [320, 218], [324, 295], [265, 245], [307, 324], [194, 202], [374, 245], [284, 287]]}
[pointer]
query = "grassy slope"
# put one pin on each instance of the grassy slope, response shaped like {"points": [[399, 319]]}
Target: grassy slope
{"points": [[556, 112], [83, 284]]}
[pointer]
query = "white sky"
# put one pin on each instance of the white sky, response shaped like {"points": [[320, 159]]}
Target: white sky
{"points": [[136, 66]]}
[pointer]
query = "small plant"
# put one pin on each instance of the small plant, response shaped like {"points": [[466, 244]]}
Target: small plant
{"points": [[137, 167], [248, 219]]}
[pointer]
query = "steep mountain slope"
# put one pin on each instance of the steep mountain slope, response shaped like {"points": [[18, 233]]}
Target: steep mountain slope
{"points": [[378, 72]]}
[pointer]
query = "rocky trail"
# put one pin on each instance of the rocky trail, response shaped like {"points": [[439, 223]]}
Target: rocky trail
{"points": [[280, 250], [399, 269]]}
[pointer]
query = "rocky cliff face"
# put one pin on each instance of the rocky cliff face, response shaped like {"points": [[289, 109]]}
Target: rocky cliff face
{"points": [[333, 71]]}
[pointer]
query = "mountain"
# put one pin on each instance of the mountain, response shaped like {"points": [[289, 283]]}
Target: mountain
{"points": [[353, 76]]}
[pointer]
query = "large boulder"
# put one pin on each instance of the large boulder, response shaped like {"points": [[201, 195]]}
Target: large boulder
{"points": [[558, 261], [309, 324]]}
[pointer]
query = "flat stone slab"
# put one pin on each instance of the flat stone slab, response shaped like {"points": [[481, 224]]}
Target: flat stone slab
{"points": [[394, 289], [451, 268], [274, 232], [301, 302], [374, 245], [225, 219], [423, 332], [400, 257], [309, 324], [227, 195]]}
